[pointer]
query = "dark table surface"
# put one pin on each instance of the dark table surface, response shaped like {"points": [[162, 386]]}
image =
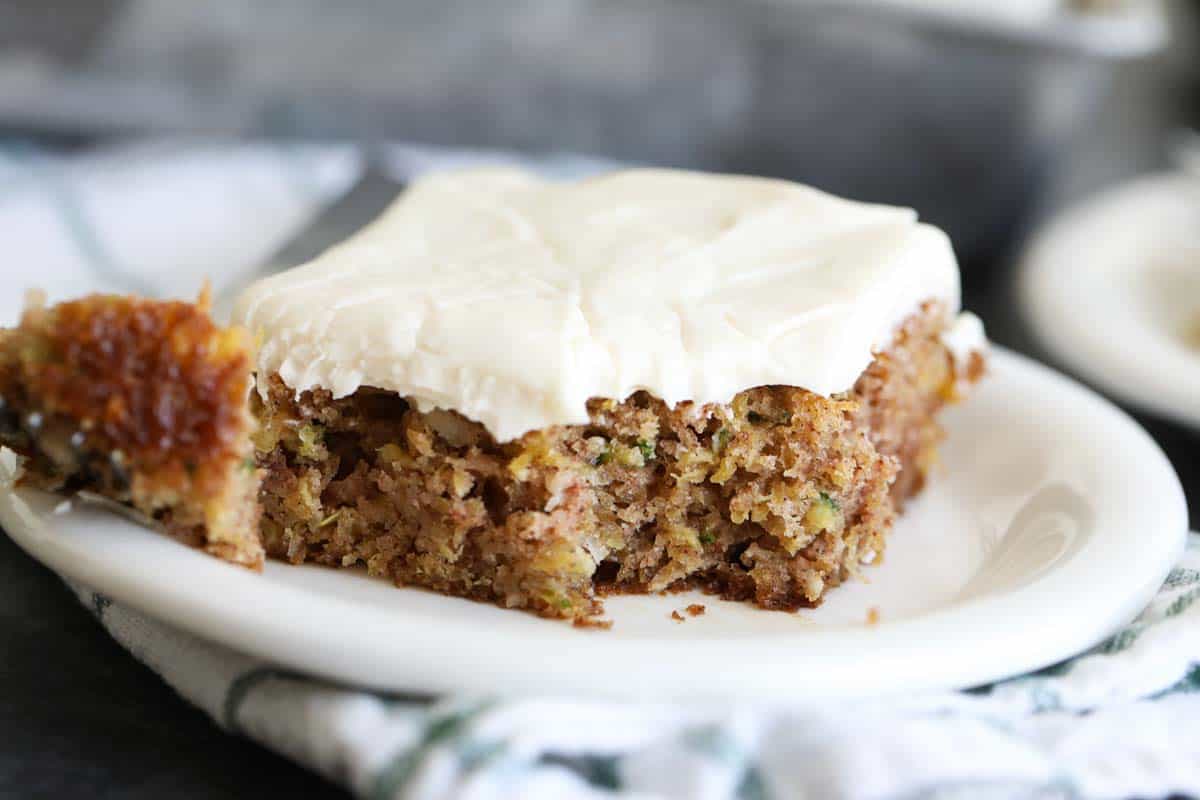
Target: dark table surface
{"points": [[80, 717]]}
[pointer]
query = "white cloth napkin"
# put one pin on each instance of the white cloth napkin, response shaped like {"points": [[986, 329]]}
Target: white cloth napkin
{"points": [[1122, 720]]}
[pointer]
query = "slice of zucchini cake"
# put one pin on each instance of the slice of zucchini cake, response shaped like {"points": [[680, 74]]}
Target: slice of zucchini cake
{"points": [[140, 401], [536, 393]]}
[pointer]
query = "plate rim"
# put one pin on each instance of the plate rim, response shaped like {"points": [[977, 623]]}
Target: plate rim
{"points": [[984, 622]]}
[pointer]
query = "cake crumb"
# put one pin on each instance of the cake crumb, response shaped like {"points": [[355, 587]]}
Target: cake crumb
{"points": [[695, 609], [873, 615], [675, 615]]}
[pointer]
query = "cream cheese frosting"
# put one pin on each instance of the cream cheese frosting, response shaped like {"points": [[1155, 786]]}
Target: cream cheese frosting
{"points": [[513, 300]]}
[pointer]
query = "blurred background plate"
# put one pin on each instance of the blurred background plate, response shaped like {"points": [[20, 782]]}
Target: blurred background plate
{"points": [[1112, 291]]}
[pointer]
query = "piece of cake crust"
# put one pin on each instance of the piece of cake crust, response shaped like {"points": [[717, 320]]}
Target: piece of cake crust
{"points": [[143, 402]]}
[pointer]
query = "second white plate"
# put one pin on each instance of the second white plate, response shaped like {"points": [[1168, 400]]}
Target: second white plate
{"points": [[1112, 290], [1033, 544]]}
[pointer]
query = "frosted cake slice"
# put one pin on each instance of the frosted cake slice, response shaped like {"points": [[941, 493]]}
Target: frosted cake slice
{"points": [[537, 393]]}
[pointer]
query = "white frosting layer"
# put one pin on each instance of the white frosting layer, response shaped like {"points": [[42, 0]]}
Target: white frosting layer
{"points": [[513, 300]]}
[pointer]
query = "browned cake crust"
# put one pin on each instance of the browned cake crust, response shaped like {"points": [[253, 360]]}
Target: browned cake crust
{"points": [[143, 402], [775, 498]]}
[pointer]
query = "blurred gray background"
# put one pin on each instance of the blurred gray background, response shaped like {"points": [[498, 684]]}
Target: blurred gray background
{"points": [[973, 123]]}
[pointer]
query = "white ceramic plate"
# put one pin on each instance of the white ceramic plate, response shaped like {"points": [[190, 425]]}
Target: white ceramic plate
{"points": [[1112, 290], [1054, 520]]}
